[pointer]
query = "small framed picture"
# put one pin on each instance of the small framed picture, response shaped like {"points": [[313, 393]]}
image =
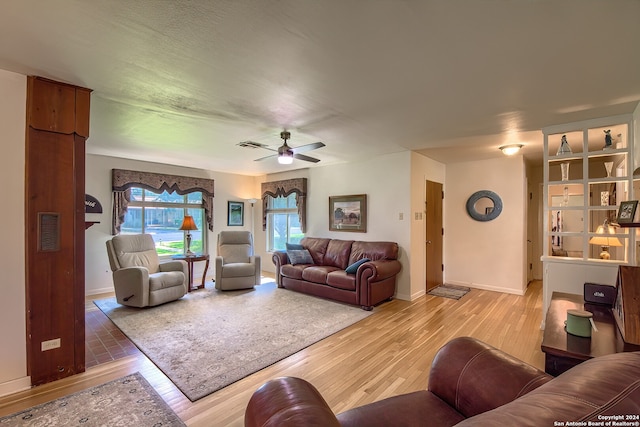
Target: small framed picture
{"points": [[627, 211], [235, 213], [348, 213]]}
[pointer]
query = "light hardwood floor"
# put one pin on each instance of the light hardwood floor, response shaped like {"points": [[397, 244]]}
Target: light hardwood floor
{"points": [[385, 354]]}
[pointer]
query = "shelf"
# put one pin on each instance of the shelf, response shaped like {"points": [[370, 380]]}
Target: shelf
{"points": [[88, 224], [630, 225], [573, 207]]}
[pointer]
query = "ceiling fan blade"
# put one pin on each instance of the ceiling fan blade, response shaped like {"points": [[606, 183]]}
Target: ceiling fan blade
{"points": [[308, 147], [267, 157], [305, 158]]}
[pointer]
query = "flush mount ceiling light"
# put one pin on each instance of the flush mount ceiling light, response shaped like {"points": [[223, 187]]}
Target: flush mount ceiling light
{"points": [[511, 149]]}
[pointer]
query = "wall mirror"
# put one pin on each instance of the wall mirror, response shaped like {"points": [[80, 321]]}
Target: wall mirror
{"points": [[484, 205]]}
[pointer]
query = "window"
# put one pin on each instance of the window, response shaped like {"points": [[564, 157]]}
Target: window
{"points": [[161, 214], [283, 222]]}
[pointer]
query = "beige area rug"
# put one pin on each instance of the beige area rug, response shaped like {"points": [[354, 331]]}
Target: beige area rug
{"points": [[128, 401], [209, 339]]}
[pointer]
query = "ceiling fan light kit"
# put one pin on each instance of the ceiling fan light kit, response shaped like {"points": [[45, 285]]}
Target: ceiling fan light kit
{"points": [[286, 154], [285, 158]]}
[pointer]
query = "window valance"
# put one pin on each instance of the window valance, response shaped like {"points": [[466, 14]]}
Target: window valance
{"points": [[123, 180], [283, 189]]}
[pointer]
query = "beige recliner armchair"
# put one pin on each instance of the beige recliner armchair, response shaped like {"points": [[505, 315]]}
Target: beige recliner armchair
{"points": [[140, 280], [236, 265]]}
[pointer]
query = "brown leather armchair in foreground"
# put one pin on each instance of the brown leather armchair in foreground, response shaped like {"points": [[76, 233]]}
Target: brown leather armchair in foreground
{"points": [[470, 383]]}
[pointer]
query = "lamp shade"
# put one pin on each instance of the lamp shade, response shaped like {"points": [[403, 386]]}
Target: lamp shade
{"points": [[605, 237], [188, 223]]}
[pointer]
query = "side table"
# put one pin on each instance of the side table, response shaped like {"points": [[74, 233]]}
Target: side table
{"points": [[190, 259], [564, 351]]}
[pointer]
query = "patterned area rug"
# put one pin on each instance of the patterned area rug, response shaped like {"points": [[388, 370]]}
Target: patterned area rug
{"points": [[128, 401], [209, 339], [449, 291]]}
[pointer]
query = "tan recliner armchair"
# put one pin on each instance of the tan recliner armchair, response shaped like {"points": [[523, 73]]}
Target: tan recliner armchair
{"points": [[140, 280], [236, 265]]}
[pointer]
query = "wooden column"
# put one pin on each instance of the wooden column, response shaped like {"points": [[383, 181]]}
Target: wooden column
{"points": [[57, 128]]}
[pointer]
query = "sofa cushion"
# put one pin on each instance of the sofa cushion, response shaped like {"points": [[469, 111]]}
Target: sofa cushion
{"points": [[164, 280], [299, 257], [317, 247], [293, 271], [340, 279], [375, 251], [353, 268], [603, 386], [338, 253], [294, 246], [411, 409], [148, 258], [239, 269], [317, 273]]}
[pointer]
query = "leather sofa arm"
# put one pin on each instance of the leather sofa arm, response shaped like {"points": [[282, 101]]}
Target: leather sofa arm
{"points": [[279, 258], [474, 377], [288, 402], [378, 270]]}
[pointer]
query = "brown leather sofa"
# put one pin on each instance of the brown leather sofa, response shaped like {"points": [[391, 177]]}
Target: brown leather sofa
{"points": [[374, 281], [471, 384]]}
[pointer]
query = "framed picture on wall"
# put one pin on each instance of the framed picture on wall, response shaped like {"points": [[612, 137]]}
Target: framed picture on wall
{"points": [[627, 211], [348, 213], [235, 213]]}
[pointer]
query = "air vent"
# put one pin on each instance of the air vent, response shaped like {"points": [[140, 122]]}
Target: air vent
{"points": [[251, 144]]}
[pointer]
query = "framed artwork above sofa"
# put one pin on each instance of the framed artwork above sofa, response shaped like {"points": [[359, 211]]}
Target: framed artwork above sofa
{"points": [[348, 213]]}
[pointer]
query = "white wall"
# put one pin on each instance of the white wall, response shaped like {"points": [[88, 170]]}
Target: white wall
{"points": [[422, 169], [98, 184], [13, 351], [386, 182], [488, 255]]}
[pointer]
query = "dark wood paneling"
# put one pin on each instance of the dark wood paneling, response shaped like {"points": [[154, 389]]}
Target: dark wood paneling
{"points": [[55, 159], [52, 106], [83, 101], [51, 273]]}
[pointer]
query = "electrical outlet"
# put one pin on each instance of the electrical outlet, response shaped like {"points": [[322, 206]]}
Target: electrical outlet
{"points": [[418, 216], [400, 216], [50, 345]]}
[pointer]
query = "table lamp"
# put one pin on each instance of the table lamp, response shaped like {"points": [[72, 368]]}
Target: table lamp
{"points": [[605, 237], [188, 224]]}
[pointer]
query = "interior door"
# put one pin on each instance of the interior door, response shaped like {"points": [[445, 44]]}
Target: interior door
{"points": [[434, 235]]}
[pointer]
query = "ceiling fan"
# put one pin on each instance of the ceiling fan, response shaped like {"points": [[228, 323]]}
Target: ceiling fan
{"points": [[286, 154]]}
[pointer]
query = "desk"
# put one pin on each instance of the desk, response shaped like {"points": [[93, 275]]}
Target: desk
{"points": [[564, 351], [190, 259]]}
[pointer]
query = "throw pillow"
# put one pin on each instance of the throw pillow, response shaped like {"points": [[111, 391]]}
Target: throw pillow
{"points": [[353, 268], [299, 257], [294, 246]]}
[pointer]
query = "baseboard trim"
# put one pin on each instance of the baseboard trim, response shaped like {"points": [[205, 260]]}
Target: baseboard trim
{"points": [[487, 287], [99, 291], [14, 386]]}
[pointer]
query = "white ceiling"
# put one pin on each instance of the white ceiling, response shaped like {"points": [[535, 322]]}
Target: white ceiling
{"points": [[183, 82]]}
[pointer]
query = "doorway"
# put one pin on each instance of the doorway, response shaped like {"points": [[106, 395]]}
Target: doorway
{"points": [[434, 235]]}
